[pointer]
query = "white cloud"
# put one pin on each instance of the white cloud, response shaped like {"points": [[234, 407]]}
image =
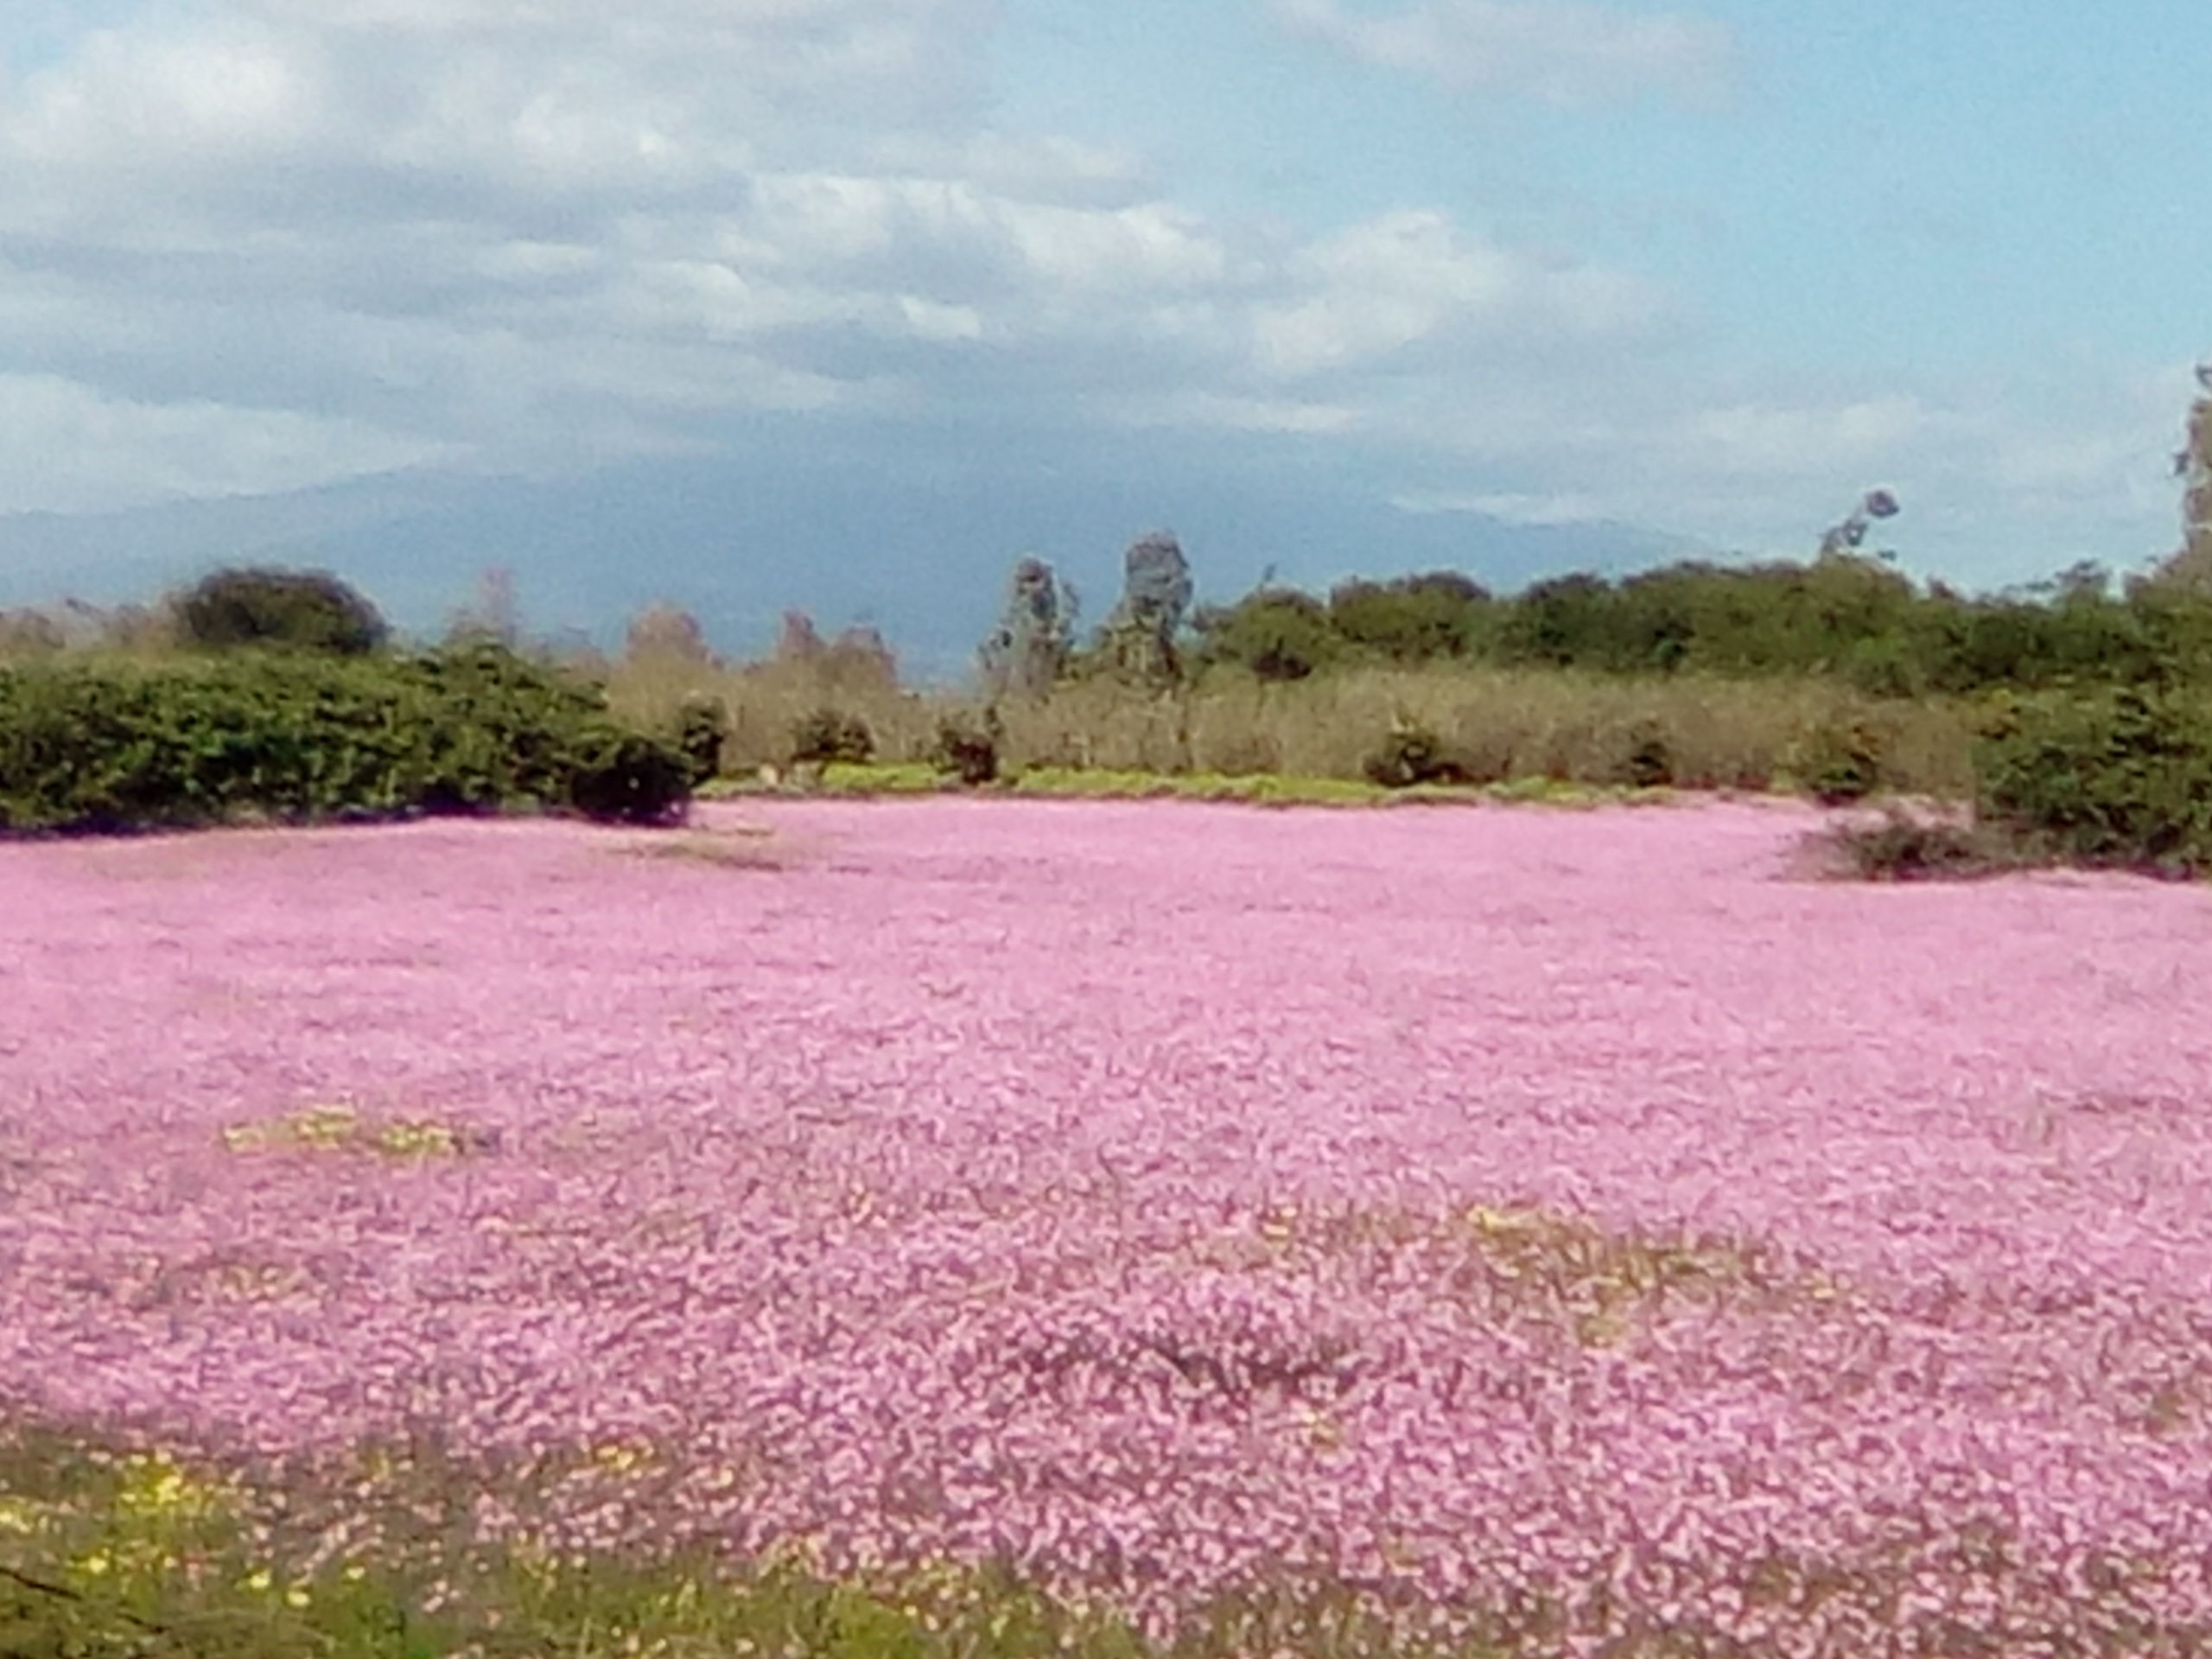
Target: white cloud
{"points": [[1773, 441], [270, 242], [1413, 279], [1999, 470], [1148, 249], [1562, 52], [1026, 167]]}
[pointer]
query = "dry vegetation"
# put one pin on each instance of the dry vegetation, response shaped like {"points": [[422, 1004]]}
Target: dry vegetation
{"points": [[1499, 724], [1495, 723]]}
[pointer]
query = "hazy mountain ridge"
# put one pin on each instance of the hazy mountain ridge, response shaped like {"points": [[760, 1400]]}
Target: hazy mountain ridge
{"points": [[923, 555]]}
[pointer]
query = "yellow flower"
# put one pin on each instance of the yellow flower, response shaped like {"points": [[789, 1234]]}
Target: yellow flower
{"points": [[323, 1126]]}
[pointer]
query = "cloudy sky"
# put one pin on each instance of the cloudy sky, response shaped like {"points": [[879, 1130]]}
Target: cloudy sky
{"points": [[847, 303]]}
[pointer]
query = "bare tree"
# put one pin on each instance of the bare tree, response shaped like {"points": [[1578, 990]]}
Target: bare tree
{"points": [[1849, 535], [666, 633], [1027, 651], [2192, 564], [1139, 638], [494, 614]]}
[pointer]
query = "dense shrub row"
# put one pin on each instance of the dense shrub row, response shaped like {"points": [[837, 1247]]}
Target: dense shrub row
{"points": [[1841, 616], [103, 744], [2120, 778], [285, 702]]}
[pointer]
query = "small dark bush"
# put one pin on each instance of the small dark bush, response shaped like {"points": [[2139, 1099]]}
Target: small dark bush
{"points": [[301, 610], [968, 750], [1841, 762], [1649, 763], [1411, 754], [1903, 847], [827, 736], [702, 728], [630, 777]]}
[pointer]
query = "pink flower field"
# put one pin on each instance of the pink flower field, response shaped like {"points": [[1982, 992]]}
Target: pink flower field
{"points": [[1502, 1215]]}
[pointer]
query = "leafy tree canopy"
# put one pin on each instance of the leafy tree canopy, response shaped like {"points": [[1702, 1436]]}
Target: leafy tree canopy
{"points": [[299, 610]]}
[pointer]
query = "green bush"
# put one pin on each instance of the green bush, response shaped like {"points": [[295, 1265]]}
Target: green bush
{"points": [[2121, 778], [1433, 617], [110, 748], [493, 728], [302, 610], [1275, 633], [629, 777], [702, 728], [101, 745], [827, 737]]}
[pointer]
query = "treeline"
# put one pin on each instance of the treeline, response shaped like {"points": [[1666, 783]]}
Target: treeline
{"points": [[1842, 615], [276, 695]]}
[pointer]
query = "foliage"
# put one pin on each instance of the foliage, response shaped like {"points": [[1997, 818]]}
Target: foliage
{"points": [[1841, 615], [300, 610], [1137, 640], [98, 745], [1718, 732], [1840, 761], [1277, 634], [1902, 846], [1437, 616], [702, 728], [1563, 622], [622, 777], [120, 1552], [829, 736], [969, 749], [2118, 778], [496, 728], [1650, 762], [1411, 754]]}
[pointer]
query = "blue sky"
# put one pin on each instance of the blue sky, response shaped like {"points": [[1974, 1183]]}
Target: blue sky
{"points": [[846, 303]]}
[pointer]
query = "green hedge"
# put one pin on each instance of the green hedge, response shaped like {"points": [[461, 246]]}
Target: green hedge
{"points": [[2120, 778], [110, 746]]}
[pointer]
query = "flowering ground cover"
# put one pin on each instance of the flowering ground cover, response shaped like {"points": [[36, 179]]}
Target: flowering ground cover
{"points": [[1529, 1230]]}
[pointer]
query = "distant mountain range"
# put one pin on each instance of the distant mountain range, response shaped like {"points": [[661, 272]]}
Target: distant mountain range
{"points": [[920, 551]]}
